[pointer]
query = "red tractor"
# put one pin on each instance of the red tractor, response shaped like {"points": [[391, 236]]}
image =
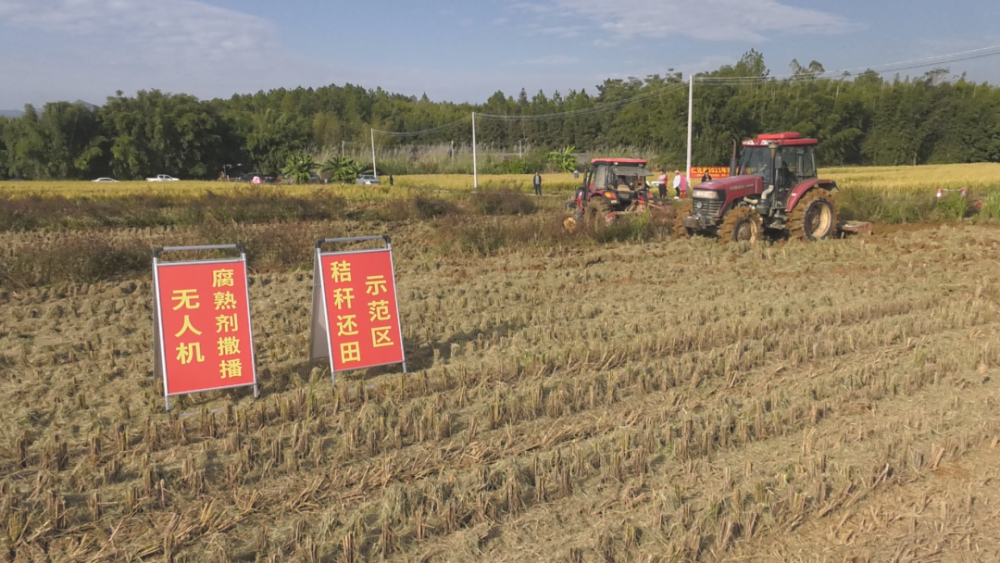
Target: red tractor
{"points": [[611, 187], [773, 186]]}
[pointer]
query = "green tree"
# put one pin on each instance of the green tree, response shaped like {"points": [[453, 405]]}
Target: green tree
{"points": [[564, 160], [299, 167]]}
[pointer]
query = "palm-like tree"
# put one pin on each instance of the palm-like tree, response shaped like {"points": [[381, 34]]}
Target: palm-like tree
{"points": [[565, 160], [344, 170], [299, 167]]}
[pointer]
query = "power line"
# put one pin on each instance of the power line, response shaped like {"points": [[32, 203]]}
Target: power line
{"points": [[887, 67], [421, 132], [583, 111], [716, 80]]}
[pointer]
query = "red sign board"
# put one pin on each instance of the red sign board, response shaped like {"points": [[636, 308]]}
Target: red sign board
{"points": [[356, 308], [715, 171], [204, 337]]}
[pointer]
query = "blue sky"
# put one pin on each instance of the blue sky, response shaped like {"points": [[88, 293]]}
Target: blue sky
{"points": [[451, 50]]}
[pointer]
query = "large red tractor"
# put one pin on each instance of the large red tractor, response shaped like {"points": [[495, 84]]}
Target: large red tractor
{"points": [[773, 186], [611, 187]]}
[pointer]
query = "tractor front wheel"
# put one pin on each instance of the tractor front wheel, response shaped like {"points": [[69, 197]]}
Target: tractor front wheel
{"points": [[598, 213], [685, 210], [814, 217], [741, 224]]}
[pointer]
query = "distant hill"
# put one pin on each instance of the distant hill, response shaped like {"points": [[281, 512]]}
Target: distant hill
{"points": [[13, 113]]}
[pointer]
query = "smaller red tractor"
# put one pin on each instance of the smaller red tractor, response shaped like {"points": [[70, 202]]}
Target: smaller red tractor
{"points": [[612, 187], [773, 186]]}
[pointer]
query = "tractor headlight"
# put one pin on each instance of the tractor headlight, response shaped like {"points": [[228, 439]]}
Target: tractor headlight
{"points": [[610, 195], [705, 194]]}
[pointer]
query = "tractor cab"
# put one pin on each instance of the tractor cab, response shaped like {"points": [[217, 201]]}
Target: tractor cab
{"points": [[622, 181], [782, 160]]}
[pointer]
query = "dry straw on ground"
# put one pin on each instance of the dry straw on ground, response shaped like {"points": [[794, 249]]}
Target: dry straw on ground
{"points": [[672, 400]]}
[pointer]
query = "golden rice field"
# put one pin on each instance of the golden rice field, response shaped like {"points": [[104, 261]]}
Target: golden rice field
{"points": [[669, 400], [980, 176]]}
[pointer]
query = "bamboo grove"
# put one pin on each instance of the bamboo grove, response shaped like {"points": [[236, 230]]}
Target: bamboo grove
{"points": [[862, 119]]}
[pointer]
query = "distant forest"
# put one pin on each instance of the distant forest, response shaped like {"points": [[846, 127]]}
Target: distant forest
{"points": [[863, 119]]}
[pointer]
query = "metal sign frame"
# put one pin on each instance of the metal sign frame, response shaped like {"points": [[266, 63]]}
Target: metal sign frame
{"points": [[159, 350], [322, 330]]}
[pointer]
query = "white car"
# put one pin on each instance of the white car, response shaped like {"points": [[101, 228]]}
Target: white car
{"points": [[162, 178], [105, 180], [367, 180]]}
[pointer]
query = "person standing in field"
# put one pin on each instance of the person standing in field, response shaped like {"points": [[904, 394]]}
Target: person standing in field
{"points": [[390, 180], [662, 181], [537, 181], [680, 184], [706, 177]]}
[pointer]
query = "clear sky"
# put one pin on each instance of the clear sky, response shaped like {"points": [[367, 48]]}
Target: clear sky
{"points": [[454, 50]]}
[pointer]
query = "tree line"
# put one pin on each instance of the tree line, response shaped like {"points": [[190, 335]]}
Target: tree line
{"points": [[863, 119]]}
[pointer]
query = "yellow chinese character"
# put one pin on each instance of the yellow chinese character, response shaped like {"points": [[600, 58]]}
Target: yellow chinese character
{"points": [[381, 337], [346, 325], [222, 278], [231, 368], [350, 352], [188, 326], [226, 323], [342, 296], [185, 298], [378, 311], [186, 353], [229, 346], [340, 271], [376, 285], [225, 301]]}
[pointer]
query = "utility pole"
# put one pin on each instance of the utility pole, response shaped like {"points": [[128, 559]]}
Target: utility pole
{"points": [[374, 168], [690, 125], [475, 169]]}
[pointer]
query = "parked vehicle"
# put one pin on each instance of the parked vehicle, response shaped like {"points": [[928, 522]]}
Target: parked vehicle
{"points": [[162, 178], [105, 180], [261, 178], [367, 180]]}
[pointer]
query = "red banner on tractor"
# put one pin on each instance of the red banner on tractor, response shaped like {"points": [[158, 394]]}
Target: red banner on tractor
{"points": [[203, 336], [356, 321]]}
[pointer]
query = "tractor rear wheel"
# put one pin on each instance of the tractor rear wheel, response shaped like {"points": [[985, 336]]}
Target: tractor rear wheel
{"points": [[685, 210], [814, 217], [741, 224], [598, 213]]}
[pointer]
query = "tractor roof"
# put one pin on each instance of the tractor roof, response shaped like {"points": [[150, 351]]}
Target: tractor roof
{"points": [[783, 140], [616, 161]]}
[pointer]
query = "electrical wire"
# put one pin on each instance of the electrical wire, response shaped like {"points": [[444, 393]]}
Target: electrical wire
{"points": [[421, 132], [714, 80], [584, 111], [887, 67]]}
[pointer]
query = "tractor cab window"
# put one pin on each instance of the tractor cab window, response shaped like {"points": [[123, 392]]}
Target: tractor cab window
{"points": [[755, 161], [806, 162], [600, 177]]}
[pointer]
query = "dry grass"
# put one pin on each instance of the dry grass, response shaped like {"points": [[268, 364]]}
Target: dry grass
{"points": [[671, 400]]}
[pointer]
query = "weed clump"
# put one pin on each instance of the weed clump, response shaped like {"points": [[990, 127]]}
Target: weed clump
{"points": [[81, 259], [502, 201]]}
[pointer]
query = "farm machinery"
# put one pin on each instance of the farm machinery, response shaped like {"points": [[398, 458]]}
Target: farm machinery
{"points": [[773, 186], [612, 187]]}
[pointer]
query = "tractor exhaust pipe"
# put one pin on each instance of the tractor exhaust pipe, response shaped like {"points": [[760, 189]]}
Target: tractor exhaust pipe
{"points": [[732, 161]]}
